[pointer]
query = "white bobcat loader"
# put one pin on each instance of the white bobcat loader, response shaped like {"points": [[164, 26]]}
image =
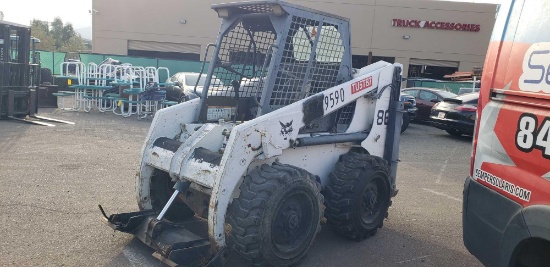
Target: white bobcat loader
{"points": [[250, 164]]}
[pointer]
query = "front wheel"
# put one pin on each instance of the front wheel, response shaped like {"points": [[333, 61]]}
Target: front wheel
{"points": [[357, 196], [275, 219]]}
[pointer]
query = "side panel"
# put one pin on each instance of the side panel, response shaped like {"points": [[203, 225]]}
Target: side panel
{"points": [[486, 218], [318, 160], [510, 171], [537, 219], [510, 148]]}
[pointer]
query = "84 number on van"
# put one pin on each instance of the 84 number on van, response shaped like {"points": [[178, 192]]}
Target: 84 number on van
{"points": [[530, 136]]}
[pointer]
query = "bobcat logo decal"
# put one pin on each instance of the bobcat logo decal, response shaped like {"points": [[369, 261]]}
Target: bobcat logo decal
{"points": [[286, 129]]}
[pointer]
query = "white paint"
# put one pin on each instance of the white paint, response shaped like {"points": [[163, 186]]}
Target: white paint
{"points": [[442, 194], [318, 160], [536, 69], [160, 158], [166, 123], [444, 166], [366, 107], [489, 149], [413, 259], [441, 171], [376, 139]]}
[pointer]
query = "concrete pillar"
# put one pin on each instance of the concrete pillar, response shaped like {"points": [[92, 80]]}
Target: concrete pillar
{"points": [[405, 62]]}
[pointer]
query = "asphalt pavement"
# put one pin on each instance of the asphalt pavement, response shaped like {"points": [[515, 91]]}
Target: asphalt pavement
{"points": [[53, 178]]}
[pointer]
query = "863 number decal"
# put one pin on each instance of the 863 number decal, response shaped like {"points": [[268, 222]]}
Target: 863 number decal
{"points": [[530, 136]]}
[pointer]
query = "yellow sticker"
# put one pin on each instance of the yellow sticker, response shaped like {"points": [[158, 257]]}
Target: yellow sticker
{"points": [[69, 81], [119, 103]]}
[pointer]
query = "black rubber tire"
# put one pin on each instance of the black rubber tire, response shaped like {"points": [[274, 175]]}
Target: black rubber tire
{"points": [[265, 192], [161, 189], [345, 203], [534, 254], [453, 132], [46, 76], [405, 122]]}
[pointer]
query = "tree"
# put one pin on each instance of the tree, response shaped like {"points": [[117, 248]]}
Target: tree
{"points": [[57, 32], [59, 37], [74, 44], [39, 29]]}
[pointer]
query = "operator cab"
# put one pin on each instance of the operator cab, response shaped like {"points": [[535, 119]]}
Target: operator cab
{"points": [[263, 63]]}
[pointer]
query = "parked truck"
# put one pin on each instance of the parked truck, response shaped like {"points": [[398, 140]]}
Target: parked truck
{"points": [[506, 212]]}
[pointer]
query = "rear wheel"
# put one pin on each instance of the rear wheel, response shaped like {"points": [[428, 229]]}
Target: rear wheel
{"points": [[357, 195], [46, 76], [454, 132], [275, 219], [534, 253]]}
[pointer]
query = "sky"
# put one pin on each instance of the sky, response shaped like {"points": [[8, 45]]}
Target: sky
{"points": [[23, 11], [75, 11]]}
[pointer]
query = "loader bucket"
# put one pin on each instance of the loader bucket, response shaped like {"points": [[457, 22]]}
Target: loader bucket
{"points": [[177, 243]]}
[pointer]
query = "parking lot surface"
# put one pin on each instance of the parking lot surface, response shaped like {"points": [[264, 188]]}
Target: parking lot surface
{"points": [[53, 178]]}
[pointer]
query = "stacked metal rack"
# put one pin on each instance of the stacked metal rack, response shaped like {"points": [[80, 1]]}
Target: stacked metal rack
{"points": [[123, 89]]}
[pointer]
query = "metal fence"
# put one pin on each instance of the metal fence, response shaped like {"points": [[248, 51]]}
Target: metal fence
{"points": [[52, 61]]}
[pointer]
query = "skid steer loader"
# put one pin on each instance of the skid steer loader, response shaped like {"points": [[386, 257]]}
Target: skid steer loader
{"points": [[283, 133]]}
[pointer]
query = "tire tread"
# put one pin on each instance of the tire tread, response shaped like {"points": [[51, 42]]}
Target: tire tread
{"points": [[343, 187], [245, 213]]}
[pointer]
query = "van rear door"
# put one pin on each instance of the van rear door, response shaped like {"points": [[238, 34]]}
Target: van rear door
{"points": [[507, 196]]}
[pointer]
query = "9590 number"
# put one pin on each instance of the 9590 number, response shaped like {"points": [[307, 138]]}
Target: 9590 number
{"points": [[334, 98]]}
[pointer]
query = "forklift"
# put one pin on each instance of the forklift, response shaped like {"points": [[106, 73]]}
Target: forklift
{"points": [[19, 76]]}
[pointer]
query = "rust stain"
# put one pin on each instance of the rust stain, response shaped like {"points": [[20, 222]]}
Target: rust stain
{"points": [[255, 148]]}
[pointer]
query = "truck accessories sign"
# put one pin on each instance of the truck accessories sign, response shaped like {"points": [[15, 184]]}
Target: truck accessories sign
{"points": [[439, 25]]}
